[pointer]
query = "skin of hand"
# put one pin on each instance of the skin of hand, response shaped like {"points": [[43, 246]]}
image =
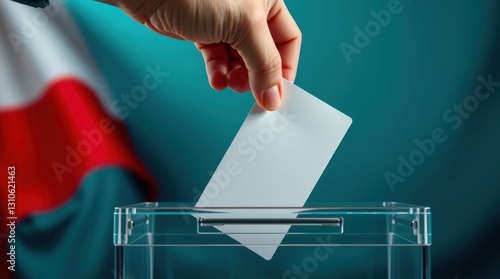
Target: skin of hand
{"points": [[246, 44]]}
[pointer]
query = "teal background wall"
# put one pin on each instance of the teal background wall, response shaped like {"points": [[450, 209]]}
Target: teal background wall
{"points": [[396, 89]]}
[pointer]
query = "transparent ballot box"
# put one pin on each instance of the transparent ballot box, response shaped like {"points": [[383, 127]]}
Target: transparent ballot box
{"points": [[351, 240]]}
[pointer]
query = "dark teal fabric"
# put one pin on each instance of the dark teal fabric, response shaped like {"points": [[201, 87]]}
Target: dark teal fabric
{"points": [[399, 89], [76, 240]]}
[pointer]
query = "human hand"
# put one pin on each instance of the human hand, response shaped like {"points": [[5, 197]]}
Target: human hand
{"points": [[246, 44]]}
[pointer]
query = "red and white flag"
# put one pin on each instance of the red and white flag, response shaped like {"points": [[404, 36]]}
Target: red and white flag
{"points": [[55, 121]]}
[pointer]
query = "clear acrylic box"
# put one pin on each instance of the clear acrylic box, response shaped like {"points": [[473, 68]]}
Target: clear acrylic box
{"points": [[337, 240]]}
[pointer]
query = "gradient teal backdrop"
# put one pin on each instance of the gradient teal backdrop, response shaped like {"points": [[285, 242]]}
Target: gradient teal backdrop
{"points": [[396, 89]]}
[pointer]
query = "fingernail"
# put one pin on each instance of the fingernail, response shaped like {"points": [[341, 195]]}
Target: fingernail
{"points": [[271, 98]]}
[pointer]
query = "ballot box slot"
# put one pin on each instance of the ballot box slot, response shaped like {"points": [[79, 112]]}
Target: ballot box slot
{"points": [[275, 221], [271, 225]]}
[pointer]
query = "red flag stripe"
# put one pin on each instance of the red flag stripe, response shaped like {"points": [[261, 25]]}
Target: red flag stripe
{"points": [[54, 142]]}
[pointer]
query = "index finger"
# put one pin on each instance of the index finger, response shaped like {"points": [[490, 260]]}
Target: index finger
{"points": [[287, 37]]}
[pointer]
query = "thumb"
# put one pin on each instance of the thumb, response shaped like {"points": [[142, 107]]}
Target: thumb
{"points": [[263, 62]]}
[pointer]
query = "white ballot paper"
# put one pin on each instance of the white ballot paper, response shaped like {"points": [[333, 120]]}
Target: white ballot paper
{"points": [[275, 160]]}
